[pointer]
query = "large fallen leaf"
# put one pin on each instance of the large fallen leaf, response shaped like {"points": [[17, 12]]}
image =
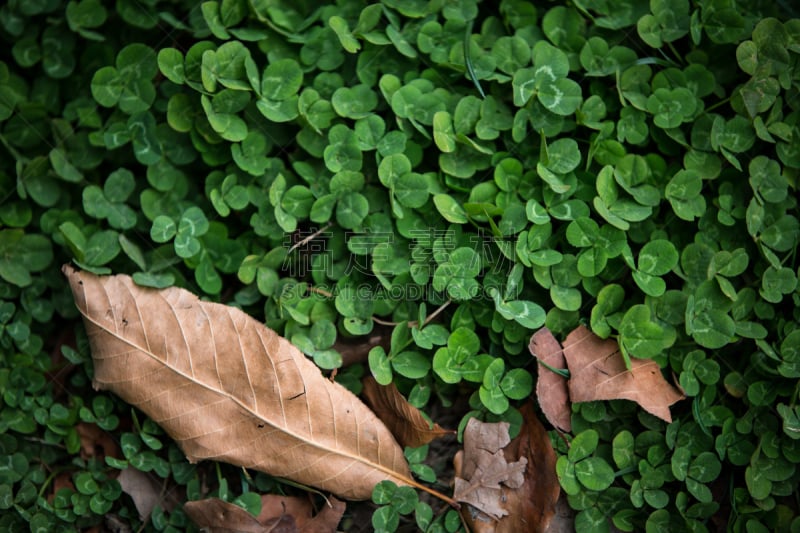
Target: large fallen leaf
{"points": [[406, 422], [551, 389], [227, 388], [597, 372], [279, 514], [483, 467], [531, 506]]}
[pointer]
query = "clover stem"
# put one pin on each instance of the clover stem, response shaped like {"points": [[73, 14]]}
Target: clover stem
{"points": [[718, 104], [436, 313], [384, 322], [673, 50], [302, 486], [50, 478], [308, 239], [436, 494], [323, 292], [413, 323], [563, 372], [468, 60], [13, 151]]}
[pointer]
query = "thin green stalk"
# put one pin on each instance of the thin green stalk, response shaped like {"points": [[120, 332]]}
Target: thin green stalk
{"points": [[13, 151], [468, 59]]}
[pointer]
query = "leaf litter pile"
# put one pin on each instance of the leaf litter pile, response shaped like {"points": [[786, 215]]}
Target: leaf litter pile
{"points": [[227, 388]]}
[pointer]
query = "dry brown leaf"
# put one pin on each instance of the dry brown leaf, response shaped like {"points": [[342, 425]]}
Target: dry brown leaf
{"points": [[406, 422], [483, 467], [597, 372], [96, 442], [531, 506], [143, 490], [564, 519], [273, 505], [218, 516], [327, 519], [551, 389], [227, 388], [60, 481], [279, 514], [356, 349]]}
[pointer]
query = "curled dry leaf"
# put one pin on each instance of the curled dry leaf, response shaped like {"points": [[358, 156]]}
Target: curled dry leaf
{"points": [[407, 423], [279, 514], [483, 467], [597, 372], [227, 388], [551, 389], [531, 506]]}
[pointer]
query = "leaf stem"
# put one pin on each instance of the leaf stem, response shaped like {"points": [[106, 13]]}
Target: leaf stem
{"points": [[49, 480], [323, 292], [435, 493], [384, 322], [650, 60], [468, 60], [307, 488], [625, 471], [308, 239], [563, 372], [718, 104], [437, 312], [674, 51], [13, 151], [413, 323]]}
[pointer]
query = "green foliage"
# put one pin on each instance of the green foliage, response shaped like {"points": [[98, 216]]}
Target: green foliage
{"points": [[465, 172], [396, 502]]}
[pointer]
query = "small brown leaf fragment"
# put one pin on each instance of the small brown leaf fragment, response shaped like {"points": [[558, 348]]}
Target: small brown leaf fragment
{"points": [[551, 389], [60, 481], [406, 422], [564, 519], [143, 490], [532, 505], [356, 350], [218, 516], [116, 524], [327, 519], [275, 505], [484, 468], [597, 372], [95, 442], [279, 514]]}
